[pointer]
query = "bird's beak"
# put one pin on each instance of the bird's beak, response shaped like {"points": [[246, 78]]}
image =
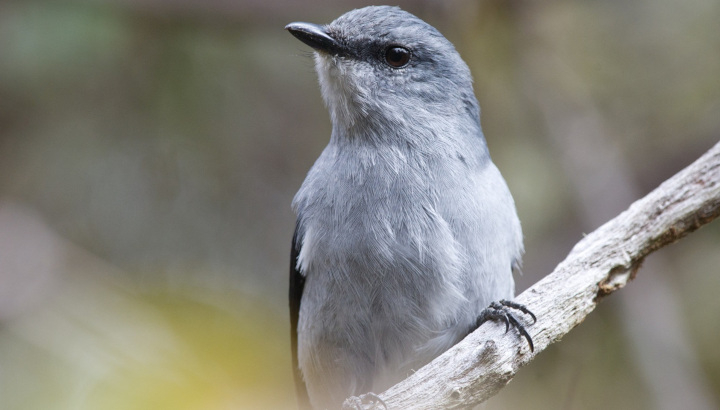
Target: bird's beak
{"points": [[315, 36]]}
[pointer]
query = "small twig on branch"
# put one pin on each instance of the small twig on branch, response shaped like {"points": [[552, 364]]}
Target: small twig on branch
{"points": [[604, 261]]}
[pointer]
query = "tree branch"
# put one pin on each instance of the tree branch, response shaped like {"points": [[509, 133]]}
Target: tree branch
{"points": [[604, 261]]}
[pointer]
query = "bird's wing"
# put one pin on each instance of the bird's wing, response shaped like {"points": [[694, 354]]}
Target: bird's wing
{"points": [[297, 283]]}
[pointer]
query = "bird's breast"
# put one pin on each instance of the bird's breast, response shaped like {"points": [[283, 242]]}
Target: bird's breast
{"points": [[377, 250]]}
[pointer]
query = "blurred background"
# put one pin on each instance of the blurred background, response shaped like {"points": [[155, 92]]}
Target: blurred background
{"points": [[150, 149]]}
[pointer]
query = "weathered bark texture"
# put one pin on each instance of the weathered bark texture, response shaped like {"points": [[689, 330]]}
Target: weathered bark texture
{"points": [[601, 263]]}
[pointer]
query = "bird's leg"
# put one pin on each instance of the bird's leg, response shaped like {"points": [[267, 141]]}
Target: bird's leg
{"points": [[363, 401], [501, 311]]}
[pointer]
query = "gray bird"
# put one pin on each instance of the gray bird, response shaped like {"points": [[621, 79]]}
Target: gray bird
{"points": [[406, 231]]}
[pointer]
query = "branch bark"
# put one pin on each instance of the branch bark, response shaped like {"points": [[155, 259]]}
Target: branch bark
{"points": [[601, 263]]}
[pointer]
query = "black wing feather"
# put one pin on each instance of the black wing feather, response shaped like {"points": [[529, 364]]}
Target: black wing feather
{"points": [[297, 283]]}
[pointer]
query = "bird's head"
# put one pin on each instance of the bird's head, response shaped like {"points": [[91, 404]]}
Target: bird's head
{"points": [[381, 69]]}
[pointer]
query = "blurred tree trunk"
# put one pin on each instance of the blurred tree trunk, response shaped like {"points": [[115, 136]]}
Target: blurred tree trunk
{"points": [[604, 183]]}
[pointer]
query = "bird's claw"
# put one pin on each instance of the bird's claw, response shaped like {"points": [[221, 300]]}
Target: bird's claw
{"points": [[363, 401], [501, 311]]}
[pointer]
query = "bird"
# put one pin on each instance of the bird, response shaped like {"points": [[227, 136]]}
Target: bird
{"points": [[407, 235]]}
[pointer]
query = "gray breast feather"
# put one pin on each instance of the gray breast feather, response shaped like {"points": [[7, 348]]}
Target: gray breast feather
{"points": [[398, 269]]}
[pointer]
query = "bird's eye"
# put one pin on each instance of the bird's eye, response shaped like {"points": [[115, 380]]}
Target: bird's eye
{"points": [[397, 57]]}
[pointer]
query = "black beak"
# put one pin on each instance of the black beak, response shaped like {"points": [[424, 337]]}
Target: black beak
{"points": [[315, 36]]}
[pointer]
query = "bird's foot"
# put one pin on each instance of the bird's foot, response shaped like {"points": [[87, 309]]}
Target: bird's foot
{"points": [[367, 401], [502, 311]]}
